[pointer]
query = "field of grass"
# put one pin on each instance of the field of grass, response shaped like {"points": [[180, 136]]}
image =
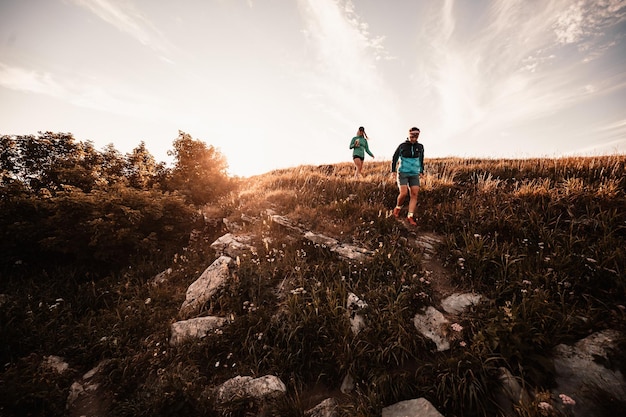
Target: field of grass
{"points": [[544, 240]]}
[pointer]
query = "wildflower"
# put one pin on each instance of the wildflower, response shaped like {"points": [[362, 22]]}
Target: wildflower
{"points": [[526, 282], [567, 400], [544, 407], [462, 343], [456, 327]]}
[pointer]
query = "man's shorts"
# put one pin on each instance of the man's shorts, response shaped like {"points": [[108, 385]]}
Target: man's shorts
{"points": [[410, 180]]}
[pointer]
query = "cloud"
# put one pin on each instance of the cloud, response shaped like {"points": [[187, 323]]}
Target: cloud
{"points": [[344, 76], [588, 18], [15, 78], [75, 90], [516, 68], [124, 16]]}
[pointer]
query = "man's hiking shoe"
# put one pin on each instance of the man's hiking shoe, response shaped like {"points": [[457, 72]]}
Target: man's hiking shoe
{"points": [[396, 211], [411, 221]]}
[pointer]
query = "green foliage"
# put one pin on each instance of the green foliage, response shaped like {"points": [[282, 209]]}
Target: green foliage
{"points": [[199, 171]]}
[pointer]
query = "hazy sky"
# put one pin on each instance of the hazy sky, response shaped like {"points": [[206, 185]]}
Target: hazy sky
{"points": [[281, 83]]}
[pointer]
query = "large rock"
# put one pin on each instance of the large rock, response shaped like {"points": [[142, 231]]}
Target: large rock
{"points": [[432, 324], [246, 387], [233, 245], [194, 328], [344, 250], [457, 303], [201, 290], [327, 408], [419, 407], [581, 374]]}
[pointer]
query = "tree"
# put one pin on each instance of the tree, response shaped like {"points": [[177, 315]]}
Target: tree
{"points": [[199, 172], [141, 168]]}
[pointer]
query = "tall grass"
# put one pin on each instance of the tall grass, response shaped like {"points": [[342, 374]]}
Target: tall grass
{"points": [[542, 239]]}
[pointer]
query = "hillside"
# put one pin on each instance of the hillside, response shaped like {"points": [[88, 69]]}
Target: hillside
{"points": [[542, 241]]}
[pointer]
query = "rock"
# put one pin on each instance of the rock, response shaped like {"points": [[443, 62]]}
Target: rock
{"points": [[428, 243], [56, 364], [201, 290], [231, 226], [457, 303], [511, 393], [354, 305], [161, 277], [86, 397], [194, 328], [283, 221], [420, 407], [245, 387], [327, 408], [346, 251], [233, 246], [353, 253], [582, 375], [432, 325], [347, 385]]}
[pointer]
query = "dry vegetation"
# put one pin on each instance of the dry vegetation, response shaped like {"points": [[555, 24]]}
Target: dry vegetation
{"points": [[543, 239]]}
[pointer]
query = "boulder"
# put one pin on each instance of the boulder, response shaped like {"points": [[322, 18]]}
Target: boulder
{"points": [[201, 290], [233, 245], [327, 408], [246, 387], [194, 328], [457, 303], [582, 374], [432, 324], [419, 407]]}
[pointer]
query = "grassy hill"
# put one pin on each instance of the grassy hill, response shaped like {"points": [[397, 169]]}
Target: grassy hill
{"points": [[544, 240]]}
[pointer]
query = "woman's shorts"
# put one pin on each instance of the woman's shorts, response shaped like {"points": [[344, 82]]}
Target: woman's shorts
{"points": [[358, 157], [410, 180]]}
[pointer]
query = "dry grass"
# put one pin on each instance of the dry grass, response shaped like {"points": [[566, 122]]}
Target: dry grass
{"points": [[543, 239]]}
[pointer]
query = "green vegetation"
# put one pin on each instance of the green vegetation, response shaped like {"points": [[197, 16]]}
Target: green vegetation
{"points": [[543, 240]]}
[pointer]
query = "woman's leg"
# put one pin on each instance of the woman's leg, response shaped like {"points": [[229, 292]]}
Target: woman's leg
{"points": [[358, 162]]}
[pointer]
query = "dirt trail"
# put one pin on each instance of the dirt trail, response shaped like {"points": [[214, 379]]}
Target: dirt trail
{"points": [[439, 276]]}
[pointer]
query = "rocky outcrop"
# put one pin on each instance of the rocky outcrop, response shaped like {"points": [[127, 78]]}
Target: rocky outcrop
{"points": [[419, 407], [432, 324], [201, 290], [582, 374], [233, 246], [196, 328], [327, 408], [246, 387], [344, 250]]}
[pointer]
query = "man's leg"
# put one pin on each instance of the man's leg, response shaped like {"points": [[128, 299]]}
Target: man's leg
{"points": [[413, 199]]}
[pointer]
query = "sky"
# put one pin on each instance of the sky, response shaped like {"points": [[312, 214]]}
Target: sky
{"points": [[282, 83]]}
